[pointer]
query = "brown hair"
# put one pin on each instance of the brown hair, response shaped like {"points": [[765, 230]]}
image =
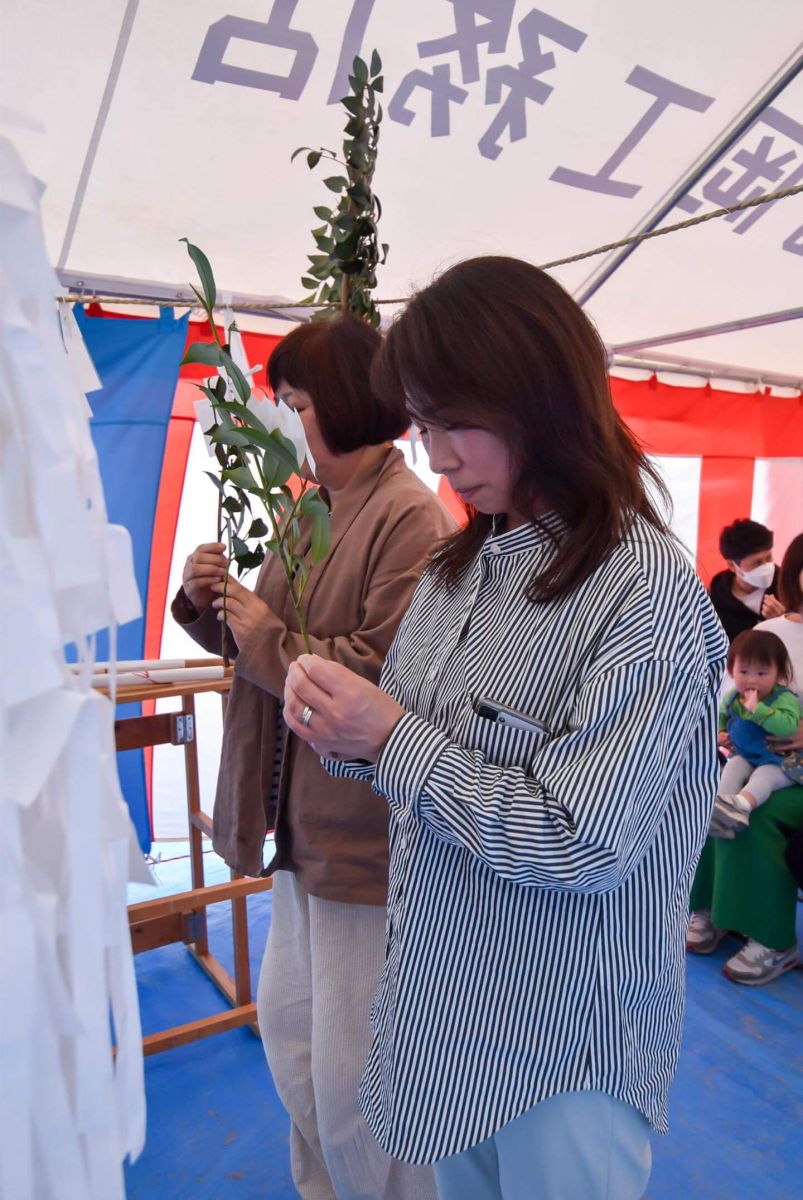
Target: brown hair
{"points": [[332, 361], [762, 647], [789, 588], [496, 343]]}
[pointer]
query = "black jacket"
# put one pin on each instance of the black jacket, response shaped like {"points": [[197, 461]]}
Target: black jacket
{"points": [[735, 616]]}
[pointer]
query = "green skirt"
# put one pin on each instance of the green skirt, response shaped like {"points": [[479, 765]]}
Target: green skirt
{"points": [[745, 882]]}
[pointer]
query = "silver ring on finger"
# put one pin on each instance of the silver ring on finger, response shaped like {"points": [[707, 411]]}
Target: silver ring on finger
{"points": [[306, 716]]}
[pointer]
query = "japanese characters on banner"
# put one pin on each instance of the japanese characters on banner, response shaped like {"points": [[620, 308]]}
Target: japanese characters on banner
{"points": [[525, 52], [70, 1110]]}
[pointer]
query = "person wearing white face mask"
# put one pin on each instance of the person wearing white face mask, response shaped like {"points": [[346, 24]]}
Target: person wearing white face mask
{"points": [[745, 593]]}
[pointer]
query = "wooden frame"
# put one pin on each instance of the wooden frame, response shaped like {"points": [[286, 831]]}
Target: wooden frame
{"points": [[182, 917]]}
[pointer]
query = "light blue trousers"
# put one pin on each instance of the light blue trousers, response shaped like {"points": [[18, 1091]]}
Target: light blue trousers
{"points": [[576, 1146]]}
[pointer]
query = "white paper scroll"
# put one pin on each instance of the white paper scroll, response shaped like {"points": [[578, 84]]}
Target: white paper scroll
{"points": [[70, 1110], [166, 675]]}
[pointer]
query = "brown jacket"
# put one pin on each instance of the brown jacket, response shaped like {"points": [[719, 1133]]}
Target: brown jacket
{"points": [[332, 832]]}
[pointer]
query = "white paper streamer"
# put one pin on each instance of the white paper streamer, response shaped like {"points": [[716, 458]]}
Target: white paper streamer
{"points": [[69, 1110]]}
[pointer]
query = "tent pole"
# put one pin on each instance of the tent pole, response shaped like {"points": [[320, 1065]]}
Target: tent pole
{"points": [[703, 331], [773, 88]]}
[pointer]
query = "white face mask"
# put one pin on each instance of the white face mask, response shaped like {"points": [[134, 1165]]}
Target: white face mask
{"points": [[759, 577]]}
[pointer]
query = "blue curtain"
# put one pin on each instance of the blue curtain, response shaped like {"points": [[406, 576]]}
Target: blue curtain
{"points": [[138, 363]]}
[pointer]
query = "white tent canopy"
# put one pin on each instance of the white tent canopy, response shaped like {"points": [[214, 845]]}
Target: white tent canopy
{"points": [[509, 129]]}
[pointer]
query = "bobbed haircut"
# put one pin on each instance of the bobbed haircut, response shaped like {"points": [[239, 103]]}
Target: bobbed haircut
{"points": [[332, 361], [744, 537], [496, 343], [762, 647], [789, 588]]}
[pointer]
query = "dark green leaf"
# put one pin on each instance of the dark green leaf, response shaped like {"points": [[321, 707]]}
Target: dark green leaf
{"points": [[230, 437], [207, 391], [208, 353], [257, 435], [376, 63], [321, 528], [360, 69], [258, 528], [336, 183], [378, 85], [323, 214], [301, 570], [201, 299], [204, 270], [241, 477], [313, 158], [312, 503], [232, 505], [236, 376], [300, 150], [249, 560], [216, 482], [279, 460]]}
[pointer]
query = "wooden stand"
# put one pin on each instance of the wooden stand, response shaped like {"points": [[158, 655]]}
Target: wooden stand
{"points": [[182, 918]]}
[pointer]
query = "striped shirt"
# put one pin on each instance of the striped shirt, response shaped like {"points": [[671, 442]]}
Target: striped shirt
{"points": [[539, 881]]}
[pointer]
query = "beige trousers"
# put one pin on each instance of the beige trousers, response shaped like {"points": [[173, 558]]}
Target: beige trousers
{"points": [[318, 978]]}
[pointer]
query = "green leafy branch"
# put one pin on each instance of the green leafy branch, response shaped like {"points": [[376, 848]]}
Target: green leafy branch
{"points": [[258, 447], [343, 271]]}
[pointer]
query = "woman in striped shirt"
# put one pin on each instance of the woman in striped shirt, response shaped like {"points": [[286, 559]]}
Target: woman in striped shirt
{"points": [[545, 737]]}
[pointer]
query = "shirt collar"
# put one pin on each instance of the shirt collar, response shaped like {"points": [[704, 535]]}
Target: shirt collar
{"points": [[533, 536]]}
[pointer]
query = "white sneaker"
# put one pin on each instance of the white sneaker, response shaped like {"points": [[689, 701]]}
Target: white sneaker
{"points": [[703, 936], [756, 964]]}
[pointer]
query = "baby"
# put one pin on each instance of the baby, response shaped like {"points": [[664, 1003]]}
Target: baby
{"points": [[759, 705]]}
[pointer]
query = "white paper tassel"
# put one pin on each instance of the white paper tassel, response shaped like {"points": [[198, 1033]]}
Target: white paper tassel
{"points": [[69, 1110]]}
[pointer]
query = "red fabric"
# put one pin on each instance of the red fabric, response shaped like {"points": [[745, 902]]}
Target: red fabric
{"points": [[704, 421], [726, 492]]}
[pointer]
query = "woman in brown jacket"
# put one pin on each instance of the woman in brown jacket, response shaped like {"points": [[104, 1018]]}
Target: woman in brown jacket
{"points": [[326, 943]]}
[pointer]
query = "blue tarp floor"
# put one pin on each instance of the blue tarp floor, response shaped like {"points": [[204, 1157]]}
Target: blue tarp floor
{"points": [[216, 1129]]}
